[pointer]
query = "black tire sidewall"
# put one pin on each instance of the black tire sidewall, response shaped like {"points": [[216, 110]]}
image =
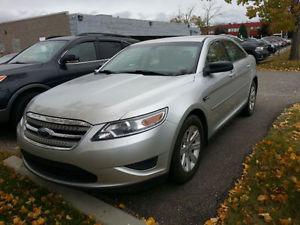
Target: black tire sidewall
{"points": [[177, 174], [249, 111]]}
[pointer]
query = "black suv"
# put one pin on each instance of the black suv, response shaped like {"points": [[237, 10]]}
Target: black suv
{"points": [[49, 63]]}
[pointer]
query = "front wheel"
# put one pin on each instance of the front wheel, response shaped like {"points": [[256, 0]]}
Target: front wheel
{"points": [[250, 107], [19, 107], [186, 154]]}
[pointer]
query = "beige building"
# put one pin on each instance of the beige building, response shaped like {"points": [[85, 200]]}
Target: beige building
{"points": [[17, 35]]}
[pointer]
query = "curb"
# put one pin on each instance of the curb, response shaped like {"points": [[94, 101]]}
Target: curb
{"points": [[102, 212]]}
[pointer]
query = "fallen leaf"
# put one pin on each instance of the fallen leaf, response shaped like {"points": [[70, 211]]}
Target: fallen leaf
{"points": [[68, 217], [262, 198], [285, 221], [17, 221], [121, 206], [282, 198], [211, 221], [266, 216], [150, 221], [23, 209]]}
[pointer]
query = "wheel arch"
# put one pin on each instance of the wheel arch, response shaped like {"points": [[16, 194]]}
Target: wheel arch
{"points": [[200, 113], [26, 89]]}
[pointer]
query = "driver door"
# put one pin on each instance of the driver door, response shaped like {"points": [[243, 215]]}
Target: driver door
{"points": [[218, 95]]}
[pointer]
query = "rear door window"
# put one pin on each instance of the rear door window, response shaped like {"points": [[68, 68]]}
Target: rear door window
{"points": [[84, 51], [108, 49]]}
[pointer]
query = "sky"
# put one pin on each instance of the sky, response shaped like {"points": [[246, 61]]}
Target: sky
{"points": [[161, 10]]}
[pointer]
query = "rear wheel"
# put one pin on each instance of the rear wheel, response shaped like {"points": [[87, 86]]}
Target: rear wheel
{"points": [[19, 107], [186, 154]]}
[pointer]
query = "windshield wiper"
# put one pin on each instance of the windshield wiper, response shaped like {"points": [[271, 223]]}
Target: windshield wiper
{"points": [[146, 72], [105, 71]]}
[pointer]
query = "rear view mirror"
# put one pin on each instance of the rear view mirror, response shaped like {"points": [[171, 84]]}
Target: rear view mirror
{"points": [[217, 67], [68, 59]]}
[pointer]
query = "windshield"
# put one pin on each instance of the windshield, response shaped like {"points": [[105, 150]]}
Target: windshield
{"points": [[156, 59], [40, 52], [6, 58]]}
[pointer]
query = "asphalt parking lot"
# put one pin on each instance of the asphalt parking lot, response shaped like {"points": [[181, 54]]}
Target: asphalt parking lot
{"points": [[220, 165]]}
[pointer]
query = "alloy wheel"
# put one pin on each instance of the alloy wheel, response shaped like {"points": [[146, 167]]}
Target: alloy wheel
{"points": [[252, 98], [190, 148]]}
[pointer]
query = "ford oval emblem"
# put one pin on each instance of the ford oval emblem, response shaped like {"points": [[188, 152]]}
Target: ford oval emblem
{"points": [[45, 132]]}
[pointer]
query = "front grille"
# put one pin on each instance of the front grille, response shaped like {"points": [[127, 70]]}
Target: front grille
{"points": [[58, 170], [57, 133]]}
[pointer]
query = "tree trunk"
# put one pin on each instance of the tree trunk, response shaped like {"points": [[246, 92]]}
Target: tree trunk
{"points": [[295, 43]]}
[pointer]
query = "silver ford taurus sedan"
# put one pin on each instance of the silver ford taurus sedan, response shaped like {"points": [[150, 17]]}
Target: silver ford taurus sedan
{"points": [[147, 112]]}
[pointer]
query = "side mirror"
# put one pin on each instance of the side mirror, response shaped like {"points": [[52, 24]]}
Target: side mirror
{"points": [[217, 67], [68, 58]]}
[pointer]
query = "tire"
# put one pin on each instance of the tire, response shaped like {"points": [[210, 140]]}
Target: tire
{"points": [[250, 107], [182, 167], [19, 107]]}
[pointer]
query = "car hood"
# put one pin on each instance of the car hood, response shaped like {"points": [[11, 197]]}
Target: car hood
{"points": [[13, 69], [102, 98]]}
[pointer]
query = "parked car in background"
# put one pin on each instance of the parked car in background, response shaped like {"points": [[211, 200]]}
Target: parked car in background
{"points": [[262, 47], [271, 47], [273, 41], [288, 41], [148, 112], [252, 48], [278, 41], [6, 58], [49, 63]]}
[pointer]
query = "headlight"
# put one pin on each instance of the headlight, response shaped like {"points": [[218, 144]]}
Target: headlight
{"points": [[257, 49], [2, 77], [131, 126]]}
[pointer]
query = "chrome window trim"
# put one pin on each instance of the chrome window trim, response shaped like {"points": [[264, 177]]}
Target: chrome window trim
{"points": [[91, 61], [76, 63]]}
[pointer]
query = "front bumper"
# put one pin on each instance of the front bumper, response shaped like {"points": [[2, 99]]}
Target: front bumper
{"points": [[107, 160]]}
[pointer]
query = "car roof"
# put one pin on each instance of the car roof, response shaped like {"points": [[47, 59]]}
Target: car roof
{"points": [[194, 38], [72, 38]]}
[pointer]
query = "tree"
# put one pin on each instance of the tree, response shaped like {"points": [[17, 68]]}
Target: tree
{"points": [[184, 17], [283, 15], [188, 17], [264, 30], [211, 11], [197, 21], [243, 32]]}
